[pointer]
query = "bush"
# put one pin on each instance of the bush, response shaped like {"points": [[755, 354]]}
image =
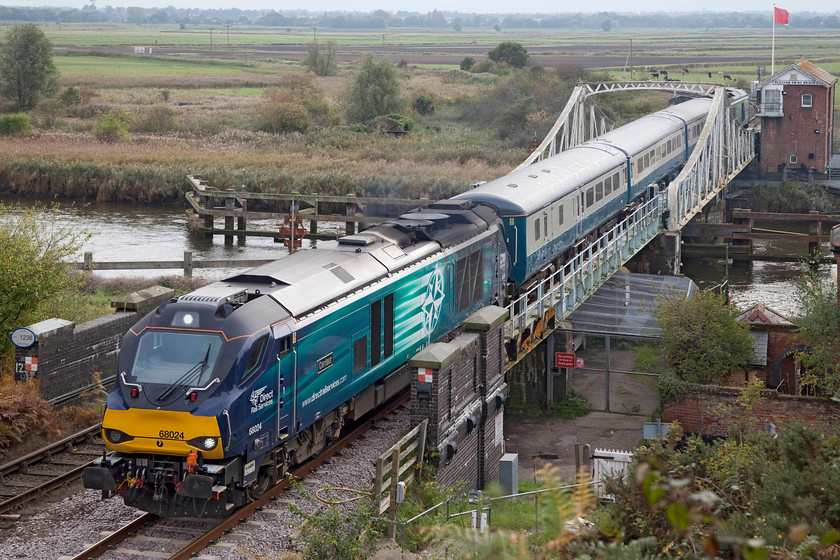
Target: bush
{"points": [[467, 62], [48, 111], [284, 116], [15, 123], [70, 97], [488, 66], [423, 105], [157, 118], [111, 129]]}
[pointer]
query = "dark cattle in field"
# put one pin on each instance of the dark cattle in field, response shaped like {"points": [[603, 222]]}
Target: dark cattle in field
{"points": [[684, 71], [709, 73], [727, 77], [664, 73], [655, 74]]}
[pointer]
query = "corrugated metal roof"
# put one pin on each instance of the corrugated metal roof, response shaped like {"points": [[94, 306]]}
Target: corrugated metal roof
{"points": [[626, 304]]}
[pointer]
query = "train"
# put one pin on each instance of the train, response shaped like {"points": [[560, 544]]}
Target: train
{"points": [[221, 391]]}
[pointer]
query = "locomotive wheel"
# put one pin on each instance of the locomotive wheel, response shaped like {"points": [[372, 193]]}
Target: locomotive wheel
{"points": [[262, 485]]}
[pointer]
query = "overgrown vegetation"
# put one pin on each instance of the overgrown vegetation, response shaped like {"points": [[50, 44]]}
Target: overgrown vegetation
{"points": [[793, 197], [819, 329], [34, 250], [701, 339], [759, 497]]}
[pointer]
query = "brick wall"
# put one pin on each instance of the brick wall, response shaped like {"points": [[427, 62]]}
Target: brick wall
{"points": [[459, 385], [65, 355], [694, 411]]}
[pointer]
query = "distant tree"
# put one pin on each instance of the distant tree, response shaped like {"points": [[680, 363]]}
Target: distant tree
{"points": [[467, 63], [701, 339], [27, 72], [508, 52], [375, 91], [70, 97], [322, 60], [135, 14], [607, 25]]}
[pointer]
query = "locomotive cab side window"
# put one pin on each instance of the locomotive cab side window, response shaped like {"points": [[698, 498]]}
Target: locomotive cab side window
{"points": [[255, 355]]}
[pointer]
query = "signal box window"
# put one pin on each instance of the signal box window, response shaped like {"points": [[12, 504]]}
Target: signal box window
{"points": [[794, 160]]}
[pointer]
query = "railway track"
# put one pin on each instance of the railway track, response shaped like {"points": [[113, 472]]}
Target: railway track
{"points": [[33, 475], [148, 533]]}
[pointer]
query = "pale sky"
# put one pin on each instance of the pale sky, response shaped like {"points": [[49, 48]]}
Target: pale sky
{"points": [[467, 6]]}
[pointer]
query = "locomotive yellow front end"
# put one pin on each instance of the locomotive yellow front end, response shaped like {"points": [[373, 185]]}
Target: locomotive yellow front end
{"points": [[167, 432]]}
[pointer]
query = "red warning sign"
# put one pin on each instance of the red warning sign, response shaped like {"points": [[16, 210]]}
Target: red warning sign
{"points": [[564, 359]]}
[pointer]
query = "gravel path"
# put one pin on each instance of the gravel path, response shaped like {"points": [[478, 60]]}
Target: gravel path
{"points": [[66, 527]]}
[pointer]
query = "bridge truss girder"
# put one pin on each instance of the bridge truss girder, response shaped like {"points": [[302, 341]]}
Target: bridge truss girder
{"points": [[578, 122], [723, 149]]}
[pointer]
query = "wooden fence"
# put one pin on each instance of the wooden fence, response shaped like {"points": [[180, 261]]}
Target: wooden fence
{"points": [[187, 265], [395, 465]]}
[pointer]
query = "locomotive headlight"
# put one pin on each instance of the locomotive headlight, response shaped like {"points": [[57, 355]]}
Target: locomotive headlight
{"points": [[116, 436], [203, 443], [185, 319]]}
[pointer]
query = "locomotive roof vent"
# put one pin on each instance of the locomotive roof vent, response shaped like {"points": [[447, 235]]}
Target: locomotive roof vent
{"points": [[357, 240], [439, 220], [216, 296]]}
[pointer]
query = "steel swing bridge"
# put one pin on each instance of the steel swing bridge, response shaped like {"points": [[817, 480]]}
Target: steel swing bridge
{"points": [[723, 149]]}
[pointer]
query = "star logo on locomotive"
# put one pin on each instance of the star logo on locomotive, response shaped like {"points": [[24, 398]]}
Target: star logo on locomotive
{"points": [[432, 302], [255, 395]]}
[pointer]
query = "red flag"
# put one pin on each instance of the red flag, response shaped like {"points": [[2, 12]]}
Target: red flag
{"points": [[780, 16]]}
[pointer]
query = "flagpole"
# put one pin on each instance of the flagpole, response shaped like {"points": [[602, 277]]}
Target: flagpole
{"points": [[773, 47]]}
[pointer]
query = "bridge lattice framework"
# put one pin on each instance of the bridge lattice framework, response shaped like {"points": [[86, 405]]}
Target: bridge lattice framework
{"points": [[724, 148]]}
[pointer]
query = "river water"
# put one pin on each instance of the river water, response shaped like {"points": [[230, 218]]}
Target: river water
{"points": [[128, 232]]}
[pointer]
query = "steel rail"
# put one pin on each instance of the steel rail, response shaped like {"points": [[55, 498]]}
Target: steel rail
{"points": [[22, 464]]}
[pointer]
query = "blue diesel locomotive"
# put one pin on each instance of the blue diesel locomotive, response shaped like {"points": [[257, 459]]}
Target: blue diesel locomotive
{"points": [[220, 391]]}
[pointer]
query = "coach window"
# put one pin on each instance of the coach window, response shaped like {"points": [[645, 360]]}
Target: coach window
{"points": [[590, 196], [652, 155], [607, 186], [617, 181], [537, 229], [647, 161], [599, 191], [545, 224], [807, 100], [561, 214]]}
